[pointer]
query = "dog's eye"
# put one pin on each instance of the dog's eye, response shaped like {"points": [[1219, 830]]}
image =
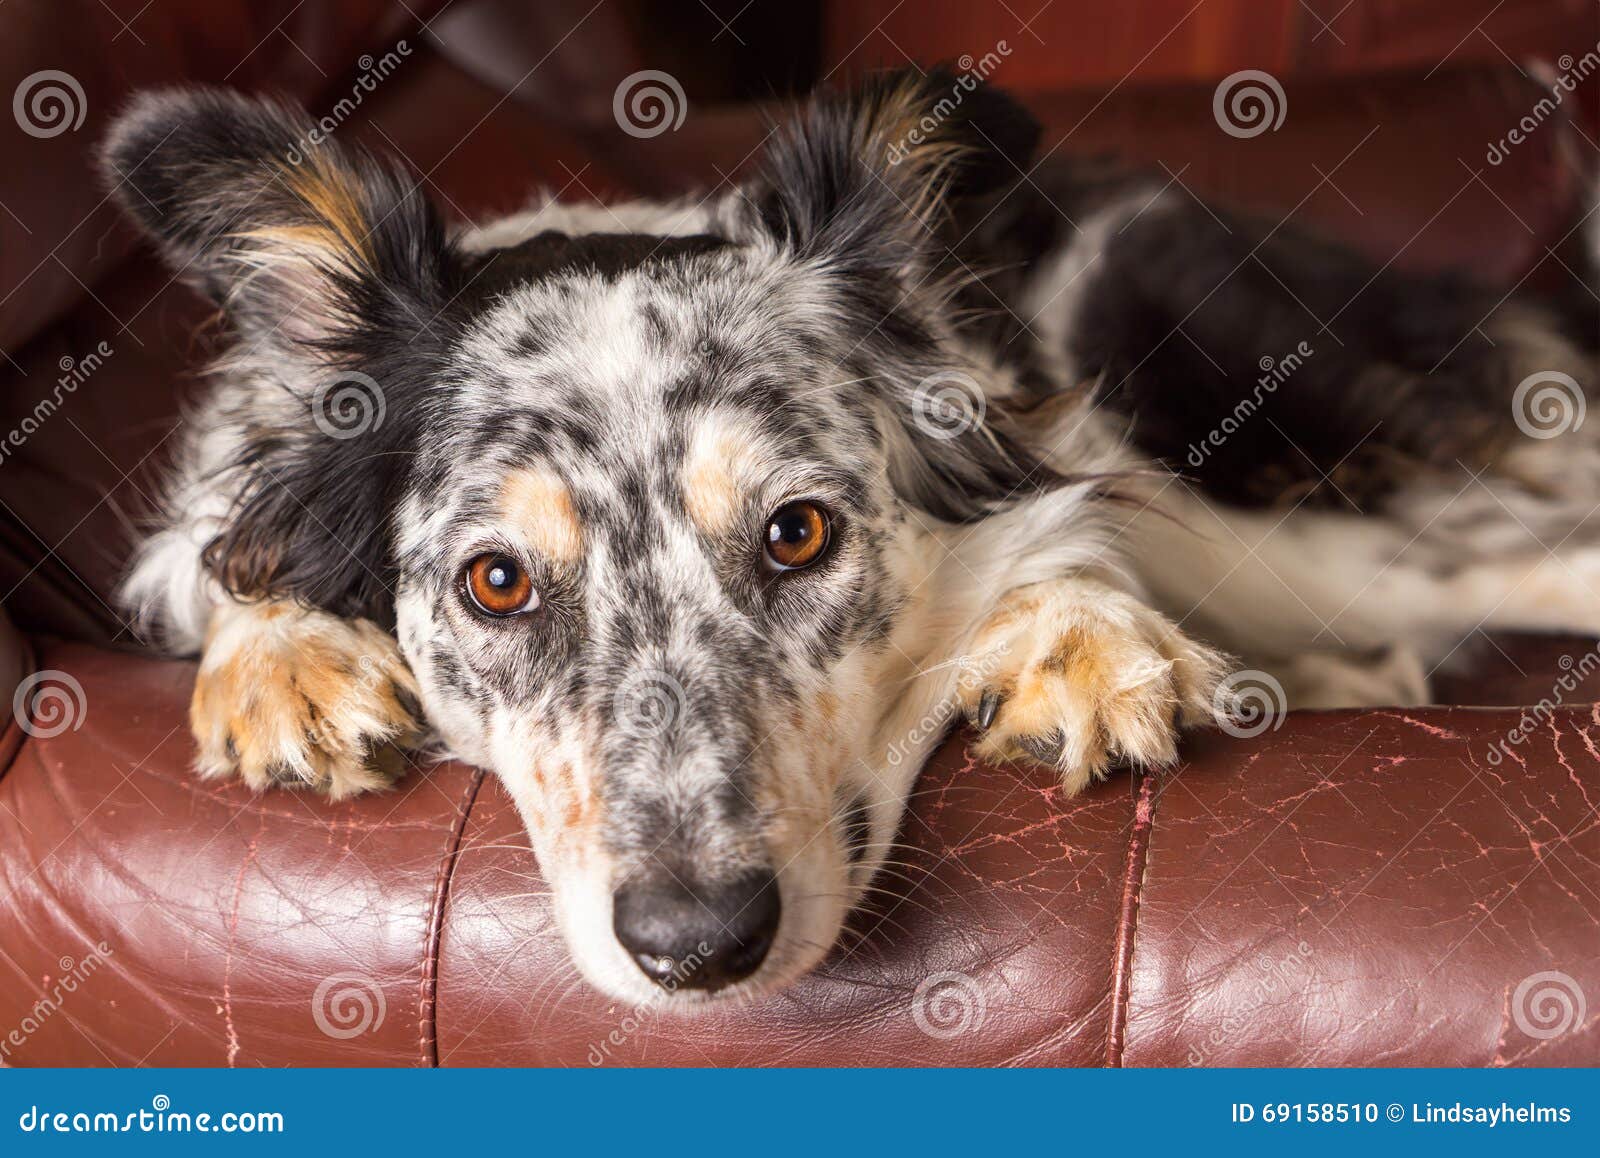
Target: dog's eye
{"points": [[498, 585], [797, 535]]}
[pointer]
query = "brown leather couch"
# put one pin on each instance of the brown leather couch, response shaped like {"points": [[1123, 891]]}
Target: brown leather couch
{"points": [[1354, 887]]}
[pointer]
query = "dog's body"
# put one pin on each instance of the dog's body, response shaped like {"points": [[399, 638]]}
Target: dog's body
{"points": [[600, 416], [1355, 485]]}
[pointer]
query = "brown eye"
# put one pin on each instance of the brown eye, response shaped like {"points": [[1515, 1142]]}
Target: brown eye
{"points": [[498, 585], [797, 535]]}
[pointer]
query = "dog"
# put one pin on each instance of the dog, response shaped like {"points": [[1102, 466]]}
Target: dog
{"points": [[700, 523]]}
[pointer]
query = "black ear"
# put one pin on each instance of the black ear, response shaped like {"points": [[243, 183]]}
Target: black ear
{"points": [[291, 231], [335, 272], [861, 184], [865, 178], [314, 516]]}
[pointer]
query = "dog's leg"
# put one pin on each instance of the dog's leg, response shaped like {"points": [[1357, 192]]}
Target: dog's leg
{"points": [[1394, 677], [284, 694], [1079, 675], [289, 695]]}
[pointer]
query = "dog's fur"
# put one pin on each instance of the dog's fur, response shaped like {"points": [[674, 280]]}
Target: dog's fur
{"points": [[992, 382]]}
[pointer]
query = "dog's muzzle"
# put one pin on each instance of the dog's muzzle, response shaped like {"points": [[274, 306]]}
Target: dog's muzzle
{"points": [[703, 937]]}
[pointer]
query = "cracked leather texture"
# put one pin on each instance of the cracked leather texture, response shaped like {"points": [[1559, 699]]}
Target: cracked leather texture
{"points": [[1368, 888], [1350, 887]]}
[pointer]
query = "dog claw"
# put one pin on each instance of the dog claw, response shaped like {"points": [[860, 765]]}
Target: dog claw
{"points": [[1046, 749], [987, 707]]}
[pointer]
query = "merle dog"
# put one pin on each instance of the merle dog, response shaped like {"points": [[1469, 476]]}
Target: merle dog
{"points": [[699, 522]]}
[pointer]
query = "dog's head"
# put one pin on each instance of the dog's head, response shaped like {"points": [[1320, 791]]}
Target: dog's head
{"points": [[659, 504]]}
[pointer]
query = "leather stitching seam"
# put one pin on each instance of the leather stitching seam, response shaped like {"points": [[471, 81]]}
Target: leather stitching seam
{"points": [[428, 997], [1133, 878]]}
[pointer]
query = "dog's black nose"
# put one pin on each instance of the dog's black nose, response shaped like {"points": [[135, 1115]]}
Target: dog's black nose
{"points": [[701, 939]]}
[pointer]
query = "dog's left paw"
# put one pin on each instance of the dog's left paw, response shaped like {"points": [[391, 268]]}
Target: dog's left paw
{"points": [[1078, 675]]}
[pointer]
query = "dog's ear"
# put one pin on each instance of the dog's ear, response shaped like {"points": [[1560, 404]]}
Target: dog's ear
{"points": [[864, 179], [859, 187], [334, 271], [294, 234]]}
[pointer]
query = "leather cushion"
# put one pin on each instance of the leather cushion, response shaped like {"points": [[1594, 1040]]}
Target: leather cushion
{"points": [[1132, 925]]}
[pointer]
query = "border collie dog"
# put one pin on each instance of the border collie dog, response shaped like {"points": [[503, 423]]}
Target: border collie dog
{"points": [[697, 522]]}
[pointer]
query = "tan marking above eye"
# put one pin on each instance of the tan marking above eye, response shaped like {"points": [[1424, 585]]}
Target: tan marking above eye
{"points": [[539, 506], [721, 463], [796, 535]]}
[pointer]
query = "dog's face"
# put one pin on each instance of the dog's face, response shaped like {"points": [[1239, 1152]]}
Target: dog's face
{"points": [[648, 574], [656, 514]]}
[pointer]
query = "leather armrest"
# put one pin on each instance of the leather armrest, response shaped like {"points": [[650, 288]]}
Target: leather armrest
{"points": [[1354, 887]]}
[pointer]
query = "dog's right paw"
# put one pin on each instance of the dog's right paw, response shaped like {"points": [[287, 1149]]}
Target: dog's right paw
{"points": [[288, 695]]}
